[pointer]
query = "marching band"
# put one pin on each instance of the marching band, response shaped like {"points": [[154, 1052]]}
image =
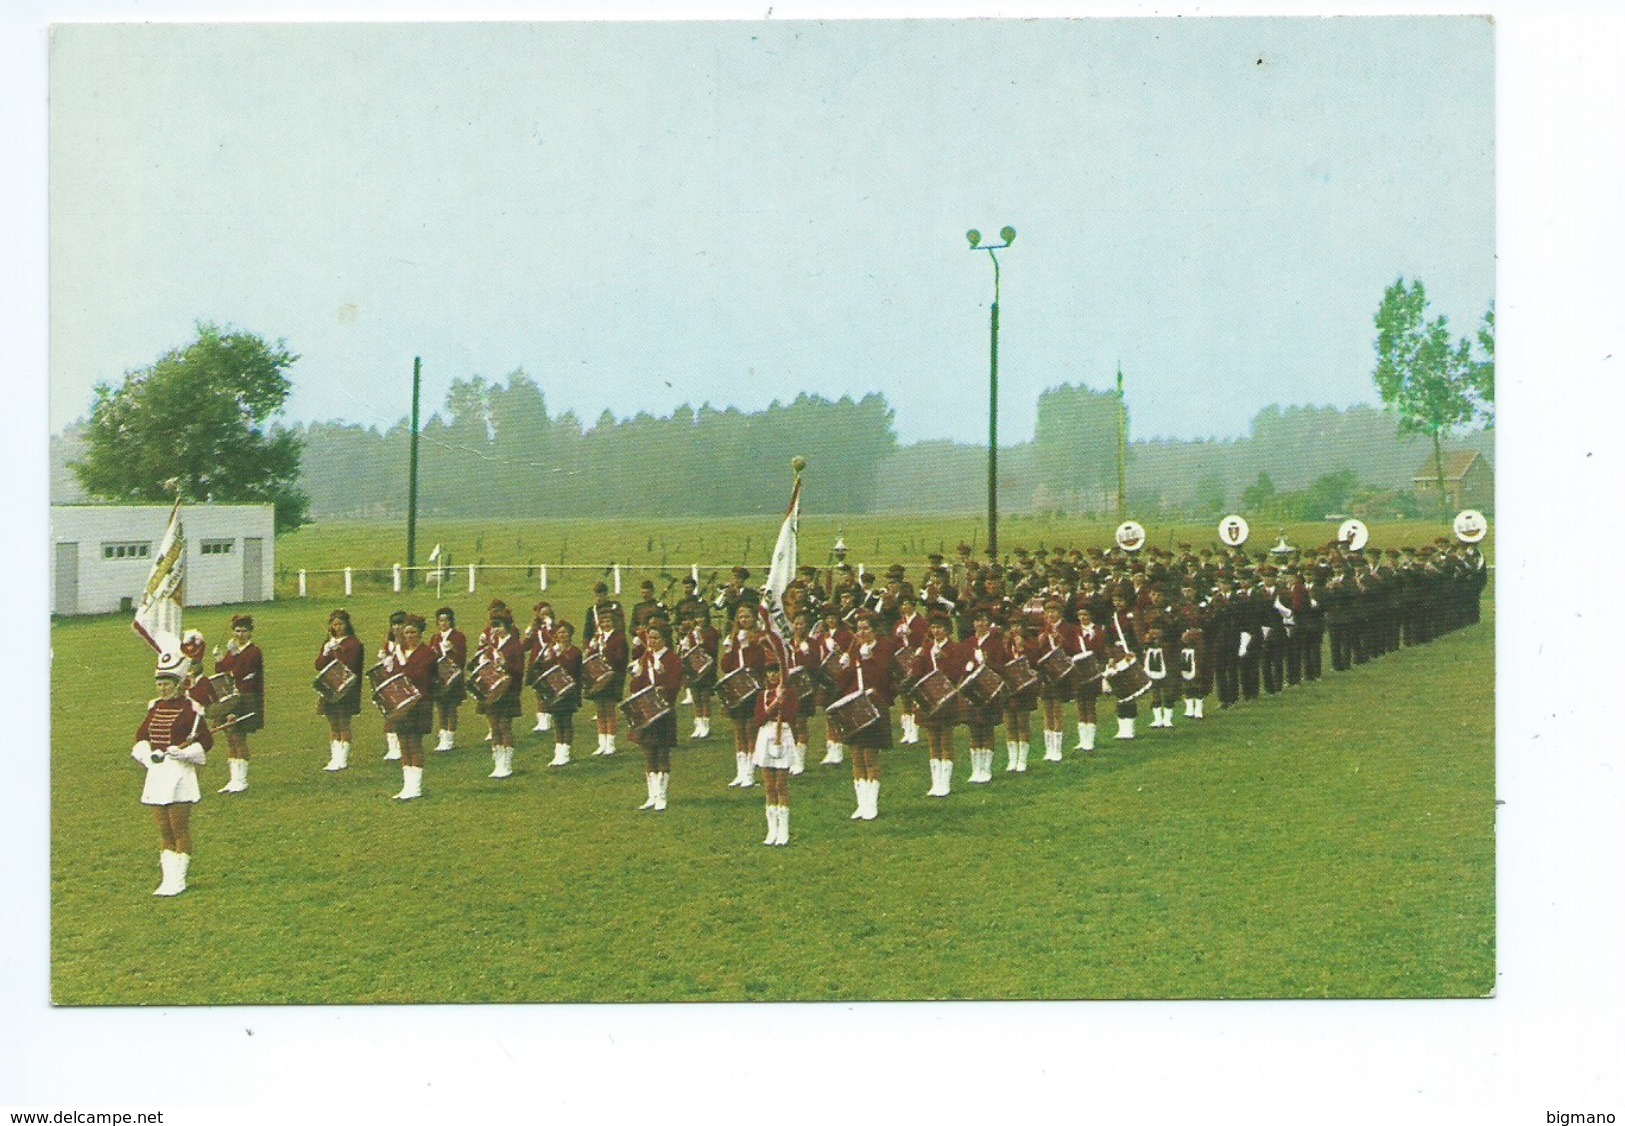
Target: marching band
{"points": [[981, 645]]}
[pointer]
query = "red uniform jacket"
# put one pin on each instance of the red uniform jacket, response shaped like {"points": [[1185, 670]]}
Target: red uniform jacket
{"points": [[662, 669], [776, 705], [247, 668], [174, 723], [510, 657], [871, 670], [453, 644], [418, 667], [611, 645], [347, 652], [741, 650]]}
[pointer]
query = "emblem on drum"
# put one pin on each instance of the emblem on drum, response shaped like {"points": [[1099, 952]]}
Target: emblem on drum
{"points": [[1470, 525], [1130, 536], [1233, 531], [1352, 534]]}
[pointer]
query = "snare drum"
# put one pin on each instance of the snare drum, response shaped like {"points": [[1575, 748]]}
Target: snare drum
{"points": [[226, 697], [553, 685], [902, 667], [800, 681], [396, 696], [983, 688], [698, 665], [738, 689], [1090, 666], [488, 682], [334, 681], [1019, 677], [597, 674], [376, 675], [448, 674], [645, 707], [1056, 668], [830, 668], [935, 693], [1128, 681], [852, 714]]}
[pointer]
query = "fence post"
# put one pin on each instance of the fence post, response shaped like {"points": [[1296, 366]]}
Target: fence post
{"points": [[397, 578], [543, 569], [302, 593], [617, 578], [471, 578], [348, 579], [694, 572], [860, 572]]}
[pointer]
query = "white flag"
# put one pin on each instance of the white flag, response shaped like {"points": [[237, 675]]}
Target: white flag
{"points": [[435, 554], [779, 576], [158, 616]]}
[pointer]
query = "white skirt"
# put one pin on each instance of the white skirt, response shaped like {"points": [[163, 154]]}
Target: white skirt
{"points": [[775, 746], [170, 781]]}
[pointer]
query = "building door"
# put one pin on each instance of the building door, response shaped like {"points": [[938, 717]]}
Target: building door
{"points": [[251, 569], [67, 578]]}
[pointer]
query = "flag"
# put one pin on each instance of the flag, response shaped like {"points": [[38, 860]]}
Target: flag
{"points": [[435, 554], [780, 574], [158, 615]]}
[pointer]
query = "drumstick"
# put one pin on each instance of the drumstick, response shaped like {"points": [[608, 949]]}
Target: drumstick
{"points": [[232, 720]]}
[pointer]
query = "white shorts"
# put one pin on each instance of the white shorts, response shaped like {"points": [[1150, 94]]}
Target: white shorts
{"points": [[775, 746], [170, 781]]}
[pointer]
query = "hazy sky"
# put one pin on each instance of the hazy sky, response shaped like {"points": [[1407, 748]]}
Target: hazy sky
{"points": [[642, 215]]}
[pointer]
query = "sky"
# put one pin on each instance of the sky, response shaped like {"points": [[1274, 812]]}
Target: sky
{"points": [[642, 215]]}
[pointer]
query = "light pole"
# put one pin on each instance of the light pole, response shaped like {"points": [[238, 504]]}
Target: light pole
{"points": [[974, 237]]}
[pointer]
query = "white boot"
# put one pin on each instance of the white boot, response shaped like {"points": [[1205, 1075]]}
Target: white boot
{"points": [[662, 788], [1125, 727], [1010, 757], [341, 756], [798, 759], [784, 825], [705, 727], [688, 696], [448, 741], [182, 862], [600, 749], [166, 865], [936, 778], [238, 768], [544, 721], [1052, 745], [609, 743], [394, 742], [1201, 708], [561, 755], [772, 837], [873, 809], [1021, 757], [739, 771], [984, 771], [411, 786], [860, 788], [699, 729], [946, 786], [502, 757], [747, 773], [832, 754], [333, 756], [1088, 739], [1167, 717], [653, 783]]}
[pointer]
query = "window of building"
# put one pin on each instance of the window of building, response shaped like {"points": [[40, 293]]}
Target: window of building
{"points": [[126, 550], [218, 547]]}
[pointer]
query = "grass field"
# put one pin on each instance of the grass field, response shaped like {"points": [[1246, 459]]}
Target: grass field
{"points": [[1335, 841]]}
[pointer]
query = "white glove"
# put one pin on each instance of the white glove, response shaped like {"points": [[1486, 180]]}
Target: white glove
{"points": [[1246, 640], [192, 753], [142, 753], [1265, 630]]}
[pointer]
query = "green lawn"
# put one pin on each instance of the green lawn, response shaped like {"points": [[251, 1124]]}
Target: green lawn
{"points": [[1336, 841]]}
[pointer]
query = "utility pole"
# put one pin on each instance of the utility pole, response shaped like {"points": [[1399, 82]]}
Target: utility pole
{"points": [[412, 484], [1122, 450], [1008, 234]]}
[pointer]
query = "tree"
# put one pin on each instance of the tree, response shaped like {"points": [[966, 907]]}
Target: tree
{"points": [[1421, 373], [1076, 442], [200, 416], [1483, 372], [1259, 494]]}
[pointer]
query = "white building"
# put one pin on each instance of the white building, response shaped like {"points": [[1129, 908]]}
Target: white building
{"points": [[101, 554]]}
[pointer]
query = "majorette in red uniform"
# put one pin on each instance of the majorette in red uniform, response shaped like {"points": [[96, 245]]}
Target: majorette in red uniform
{"points": [[448, 644], [342, 646], [776, 707], [743, 648], [246, 664], [415, 661], [911, 632], [657, 667], [562, 653], [940, 654], [867, 667], [507, 653], [985, 646], [171, 744]]}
